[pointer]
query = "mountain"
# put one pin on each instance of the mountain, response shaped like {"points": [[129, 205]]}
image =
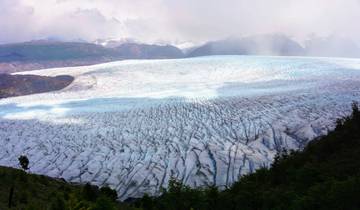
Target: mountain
{"points": [[17, 85], [252, 45], [332, 46], [112, 43], [53, 51], [146, 51], [49, 54]]}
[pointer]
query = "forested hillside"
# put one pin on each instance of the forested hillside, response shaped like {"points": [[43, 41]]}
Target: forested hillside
{"points": [[22, 190]]}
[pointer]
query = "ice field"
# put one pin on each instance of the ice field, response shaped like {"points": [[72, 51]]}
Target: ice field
{"points": [[208, 120]]}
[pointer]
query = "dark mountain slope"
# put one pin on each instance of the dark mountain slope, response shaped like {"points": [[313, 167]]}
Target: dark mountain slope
{"points": [[48, 54], [145, 51], [17, 85], [49, 51]]}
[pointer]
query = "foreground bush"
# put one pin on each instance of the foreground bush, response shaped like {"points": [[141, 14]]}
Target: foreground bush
{"points": [[35, 192]]}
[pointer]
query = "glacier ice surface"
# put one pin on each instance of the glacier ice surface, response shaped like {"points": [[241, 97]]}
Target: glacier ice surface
{"points": [[208, 120]]}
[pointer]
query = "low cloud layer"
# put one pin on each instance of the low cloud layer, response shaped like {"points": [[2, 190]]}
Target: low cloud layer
{"points": [[173, 21]]}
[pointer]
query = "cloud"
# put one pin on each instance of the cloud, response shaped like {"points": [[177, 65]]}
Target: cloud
{"points": [[15, 21], [26, 20], [88, 24], [175, 21], [203, 19]]}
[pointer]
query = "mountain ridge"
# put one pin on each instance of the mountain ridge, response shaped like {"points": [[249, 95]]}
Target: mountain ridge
{"points": [[42, 54], [49, 54]]}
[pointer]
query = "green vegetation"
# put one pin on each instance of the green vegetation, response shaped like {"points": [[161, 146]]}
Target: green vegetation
{"points": [[24, 162], [325, 175], [35, 192]]}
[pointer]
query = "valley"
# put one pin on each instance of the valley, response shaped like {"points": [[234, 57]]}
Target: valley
{"points": [[134, 124]]}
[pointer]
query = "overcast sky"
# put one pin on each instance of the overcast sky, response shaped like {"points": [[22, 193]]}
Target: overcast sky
{"points": [[175, 21]]}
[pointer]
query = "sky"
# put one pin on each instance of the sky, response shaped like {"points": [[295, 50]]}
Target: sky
{"points": [[176, 21]]}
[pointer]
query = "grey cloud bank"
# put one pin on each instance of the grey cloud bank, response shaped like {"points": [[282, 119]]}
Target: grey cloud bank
{"points": [[176, 22]]}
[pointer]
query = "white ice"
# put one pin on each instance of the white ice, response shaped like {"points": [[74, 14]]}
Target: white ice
{"points": [[208, 120]]}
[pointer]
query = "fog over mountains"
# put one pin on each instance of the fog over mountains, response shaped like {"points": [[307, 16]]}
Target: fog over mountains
{"points": [[332, 47], [254, 45], [47, 53]]}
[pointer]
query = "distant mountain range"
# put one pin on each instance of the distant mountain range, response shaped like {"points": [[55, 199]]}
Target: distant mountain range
{"points": [[254, 45], [48, 54], [145, 51], [280, 45]]}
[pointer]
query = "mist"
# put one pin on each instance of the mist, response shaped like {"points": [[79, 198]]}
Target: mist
{"points": [[177, 22]]}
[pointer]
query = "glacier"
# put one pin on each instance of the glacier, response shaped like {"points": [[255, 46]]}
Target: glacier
{"points": [[133, 124]]}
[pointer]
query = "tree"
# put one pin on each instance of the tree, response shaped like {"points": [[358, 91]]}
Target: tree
{"points": [[11, 196], [109, 193], [89, 192], [103, 203], [147, 202], [24, 162], [57, 203]]}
